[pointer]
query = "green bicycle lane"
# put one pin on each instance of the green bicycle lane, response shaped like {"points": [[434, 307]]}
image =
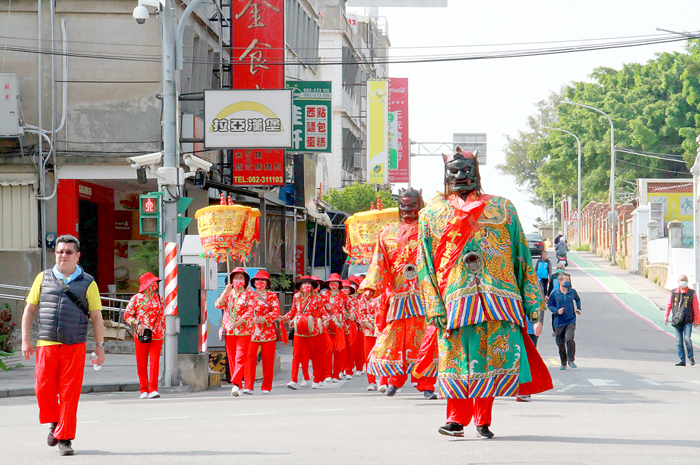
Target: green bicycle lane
{"points": [[624, 294]]}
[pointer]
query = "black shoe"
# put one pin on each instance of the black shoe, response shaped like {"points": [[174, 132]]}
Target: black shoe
{"points": [[680, 364], [429, 395], [50, 440], [692, 362], [64, 446], [484, 432], [452, 429], [391, 391]]}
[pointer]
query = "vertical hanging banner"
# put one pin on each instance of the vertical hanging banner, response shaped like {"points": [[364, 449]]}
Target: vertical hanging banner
{"points": [[399, 148], [311, 116], [257, 58], [377, 132]]}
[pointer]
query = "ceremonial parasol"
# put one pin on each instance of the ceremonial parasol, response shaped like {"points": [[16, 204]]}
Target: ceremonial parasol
{"points": [[362, 230]]}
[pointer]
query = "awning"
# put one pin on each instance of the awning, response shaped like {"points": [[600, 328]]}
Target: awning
{"points": [[322, 218], [18, 179]]}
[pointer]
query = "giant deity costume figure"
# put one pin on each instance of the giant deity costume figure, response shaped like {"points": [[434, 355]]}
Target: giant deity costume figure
{"points": [[479, 288], [402, 322]]}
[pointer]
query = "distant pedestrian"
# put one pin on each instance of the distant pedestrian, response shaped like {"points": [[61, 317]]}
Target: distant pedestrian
{"points": [[554, 278], [561, 304], [66, 298], [543, 269], [145, 311], [683, 304], [558, 238]]}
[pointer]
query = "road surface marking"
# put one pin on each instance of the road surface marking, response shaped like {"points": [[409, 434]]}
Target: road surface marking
{"points": [[166, 418], [328, 410], [250, 414], [651, 382], [554, 361], [603, 382]]}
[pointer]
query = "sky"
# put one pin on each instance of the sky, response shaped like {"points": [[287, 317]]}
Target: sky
{"points": [[497, 96]]}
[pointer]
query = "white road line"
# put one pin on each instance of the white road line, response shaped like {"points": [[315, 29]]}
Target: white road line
{"points": [[603, 382], [250, 414], [651, 382], [166, 418]]}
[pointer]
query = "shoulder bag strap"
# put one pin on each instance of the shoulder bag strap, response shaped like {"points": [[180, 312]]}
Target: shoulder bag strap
{"points": [[73, 298]]}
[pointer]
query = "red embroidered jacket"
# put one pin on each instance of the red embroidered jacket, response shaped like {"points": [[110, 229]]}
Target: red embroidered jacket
{"points": [[337, 310], [150, 312], [312, 306], [367, 311], [230, 312], [252, 305]]}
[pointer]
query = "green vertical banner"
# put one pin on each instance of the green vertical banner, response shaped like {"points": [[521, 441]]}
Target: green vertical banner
{"points": [[311, 116]]}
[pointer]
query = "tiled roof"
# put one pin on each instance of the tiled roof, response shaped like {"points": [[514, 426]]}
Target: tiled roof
{"points": [[669, 188]]}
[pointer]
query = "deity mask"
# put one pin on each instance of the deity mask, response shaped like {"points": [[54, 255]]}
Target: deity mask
{"points": [[334, 286], [306, 288], [260, 284], [238, 282], [462, 173], [410, 204]]}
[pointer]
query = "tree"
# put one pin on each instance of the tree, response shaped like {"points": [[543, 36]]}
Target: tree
{"points": [[654, 108], [357, 198]]}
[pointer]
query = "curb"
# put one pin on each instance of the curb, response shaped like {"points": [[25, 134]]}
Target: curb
{"points": [[86, 389]]}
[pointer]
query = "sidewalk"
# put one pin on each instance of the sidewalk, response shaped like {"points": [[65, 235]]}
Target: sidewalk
{"points": [[117, 374]]}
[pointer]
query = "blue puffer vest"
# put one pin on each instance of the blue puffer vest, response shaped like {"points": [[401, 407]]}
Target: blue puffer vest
{"points": [[60, 320]]}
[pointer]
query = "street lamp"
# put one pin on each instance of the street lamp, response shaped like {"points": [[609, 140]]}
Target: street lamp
{"points": [[172, 174], [611, 194], [696, 215], [578, 228]]}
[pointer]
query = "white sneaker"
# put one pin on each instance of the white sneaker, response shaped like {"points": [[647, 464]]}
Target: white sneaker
{"points": [[248, 392], [304, 383], [316, 385], [372, 387], [153, 395], [266, 392], [235, 392], [292, 385], [328, 380], [335, 380], [341, 376], [358, 373], [143, 395], [382, 388], [414, 384]]}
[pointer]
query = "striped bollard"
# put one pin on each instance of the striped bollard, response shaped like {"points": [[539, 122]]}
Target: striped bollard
{"points": [[171, 279]]}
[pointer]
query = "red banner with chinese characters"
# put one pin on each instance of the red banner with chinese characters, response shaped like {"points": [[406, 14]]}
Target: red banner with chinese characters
{"points": [[398, 107], [257, 41], [257, 48], [301, 261], [258, 167]]}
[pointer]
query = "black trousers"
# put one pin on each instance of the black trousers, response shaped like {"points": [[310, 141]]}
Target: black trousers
{"points": [[566, 343]]}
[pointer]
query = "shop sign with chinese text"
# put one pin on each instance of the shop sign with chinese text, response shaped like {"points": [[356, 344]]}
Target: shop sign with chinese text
{"points": [[399, 148], [258, 167], [377, 131], [248, 118], [257, 44], [311, 116]]}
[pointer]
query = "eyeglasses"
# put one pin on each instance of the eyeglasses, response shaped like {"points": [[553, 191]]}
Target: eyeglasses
{"points": [[65, 252]]}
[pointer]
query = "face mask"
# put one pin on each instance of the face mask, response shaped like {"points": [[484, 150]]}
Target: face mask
{"points": [[683, 284], [154, 287], [560, 271], [238, 284], [260, 285], [306, 288], [334, 286], [567, 284], [346, 290]]}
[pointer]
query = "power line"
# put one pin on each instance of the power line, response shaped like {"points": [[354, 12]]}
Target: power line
{"points": [[652, 168], [624, 150]]}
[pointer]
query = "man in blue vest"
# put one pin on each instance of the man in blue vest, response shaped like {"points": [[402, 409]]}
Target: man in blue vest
{"points": [[65, 297]]}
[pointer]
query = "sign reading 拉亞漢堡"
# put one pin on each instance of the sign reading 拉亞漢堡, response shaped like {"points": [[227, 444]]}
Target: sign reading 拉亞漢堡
{"points": [[248, 118], [311, 116]]}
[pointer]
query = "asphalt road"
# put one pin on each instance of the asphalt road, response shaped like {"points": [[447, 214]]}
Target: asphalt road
{"points": [[626, 403]]}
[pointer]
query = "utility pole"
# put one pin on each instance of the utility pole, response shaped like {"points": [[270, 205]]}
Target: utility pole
{"points": [[696, 216]]}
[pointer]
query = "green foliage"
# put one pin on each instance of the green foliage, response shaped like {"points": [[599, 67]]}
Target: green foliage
{"points": [[357, 198], [3, 353], [148, 254], [280, 282], [584, 248], [654, 108]]}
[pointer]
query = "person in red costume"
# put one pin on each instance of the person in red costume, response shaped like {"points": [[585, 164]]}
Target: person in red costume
{"points": [[236, 339], [402, 322], [336, 307], [350, 328], [307, 315], [357, 351], [366, 316], [145, 311], [260, 309]]}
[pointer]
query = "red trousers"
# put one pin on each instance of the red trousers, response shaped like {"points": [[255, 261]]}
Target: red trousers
{"points": [[350, 349], [368, 343], [335, 360], [236, 354], [359, 350], [144, 351], [305, 348], [267, 352], [462, 410], [58, 377]]}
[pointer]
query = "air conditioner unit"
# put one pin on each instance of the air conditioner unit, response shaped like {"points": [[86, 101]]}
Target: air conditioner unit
{"points": [[359, 160]]}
